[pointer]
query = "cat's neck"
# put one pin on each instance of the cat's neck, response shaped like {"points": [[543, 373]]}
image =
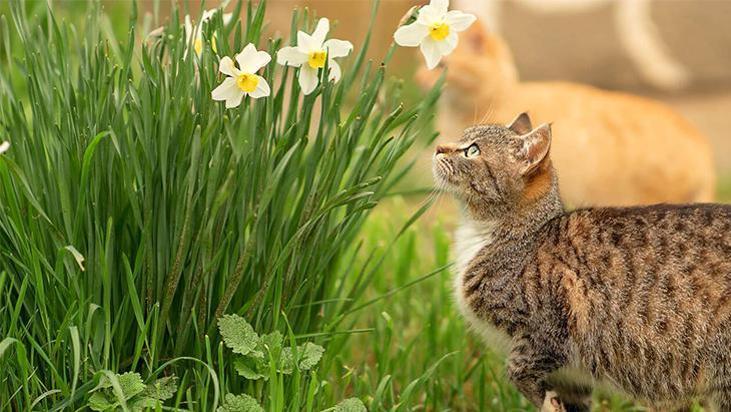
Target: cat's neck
{"points": [[524, 221]]}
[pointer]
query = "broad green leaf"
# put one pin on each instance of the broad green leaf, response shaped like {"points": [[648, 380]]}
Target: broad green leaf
{"points": [[272, 342], [162, 389], [240, 403], [310, 354], [99, 402], [237, 334], [130, 382], [248, 368], [143, 404], [286, 361], [351, 405]]}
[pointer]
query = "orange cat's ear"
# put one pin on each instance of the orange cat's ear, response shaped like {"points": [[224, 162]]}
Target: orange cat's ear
{"points": [[536, 145], [476, 37], [521, 124]]}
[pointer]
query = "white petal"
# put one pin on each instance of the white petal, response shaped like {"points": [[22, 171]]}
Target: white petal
{"points": [[307, 43], [429, 15], [226, 90], [4, 146], [431, 53], [227, 17], [188, 28], [335, 71], [411, 35], [323, 27], [447, 45], [234, 101], [262, 89], [308, 79], [291, 56], [338, 48], [227, 67], [250, 60], [459, 21], [440, 5], [207, 14]]}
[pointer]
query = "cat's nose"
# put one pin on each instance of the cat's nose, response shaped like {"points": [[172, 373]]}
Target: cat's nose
{"points": [[443, 149]]}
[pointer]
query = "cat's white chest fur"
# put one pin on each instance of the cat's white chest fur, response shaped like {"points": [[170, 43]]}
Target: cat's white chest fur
{"points": [[469, 239]]}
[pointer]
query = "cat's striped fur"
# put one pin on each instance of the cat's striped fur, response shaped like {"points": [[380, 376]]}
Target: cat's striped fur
{"points": [[638, 298]]}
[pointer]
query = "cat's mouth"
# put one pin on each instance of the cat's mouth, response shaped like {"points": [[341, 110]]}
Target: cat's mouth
{"points": [[443, 171]]}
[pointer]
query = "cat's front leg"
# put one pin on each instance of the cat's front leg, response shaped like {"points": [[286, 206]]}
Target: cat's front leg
{"points": [[529, 367]]}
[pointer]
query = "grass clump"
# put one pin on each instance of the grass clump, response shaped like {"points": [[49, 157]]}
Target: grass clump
{"points": [[135, 211]]}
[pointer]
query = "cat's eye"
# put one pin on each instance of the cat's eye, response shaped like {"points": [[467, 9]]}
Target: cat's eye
{"points": [[472, 151]]}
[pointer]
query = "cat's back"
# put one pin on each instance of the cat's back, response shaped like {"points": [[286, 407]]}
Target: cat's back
{"points": [[646, 289], [646, 150]]}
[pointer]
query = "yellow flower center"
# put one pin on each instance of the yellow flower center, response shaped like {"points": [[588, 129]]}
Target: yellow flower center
{"points": [[439, 31], [317, 59], [213, 44], [247, 82], [198, 46]]}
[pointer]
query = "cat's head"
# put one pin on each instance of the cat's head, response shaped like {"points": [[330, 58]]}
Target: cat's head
{"points": [[494, 169], [481, 60]]}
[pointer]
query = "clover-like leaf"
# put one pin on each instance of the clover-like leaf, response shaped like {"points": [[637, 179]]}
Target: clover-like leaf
{"points": [[237, 334], [272, 342], [162, 389], [286, 361], [144, 404], [99, 402], [351, 405], [249, 369], [130, 383], [310, 355], [239, 403]]}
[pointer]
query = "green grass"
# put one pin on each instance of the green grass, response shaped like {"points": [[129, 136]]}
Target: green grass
{"points": [[136, 211]]}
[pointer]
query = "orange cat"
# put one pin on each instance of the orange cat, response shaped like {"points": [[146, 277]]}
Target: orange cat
{"points": [[610, 149]]}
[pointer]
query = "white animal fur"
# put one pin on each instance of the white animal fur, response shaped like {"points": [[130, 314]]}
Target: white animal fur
{"points": [[470, 238]]}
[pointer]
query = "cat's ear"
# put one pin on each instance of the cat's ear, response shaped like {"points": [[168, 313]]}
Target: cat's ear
{"points": [[535, 148], [476, 37], [521, 124]]}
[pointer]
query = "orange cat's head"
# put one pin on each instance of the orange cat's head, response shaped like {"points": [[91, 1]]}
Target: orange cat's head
{"points": [[481, 63]]}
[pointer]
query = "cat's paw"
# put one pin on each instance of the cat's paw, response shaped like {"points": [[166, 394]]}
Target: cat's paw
{"points": [[551, 403]]}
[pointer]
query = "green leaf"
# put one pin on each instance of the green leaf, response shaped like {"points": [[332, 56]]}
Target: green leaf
{"points": [[286, 362], [130, 382], [237, 334], [351, 405], [143, 404], [248, 368], [272, 342], [310, 355], [162, 389], [99, 402], [240, 403]]}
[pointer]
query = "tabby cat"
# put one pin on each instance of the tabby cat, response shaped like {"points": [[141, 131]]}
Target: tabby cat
{"points": [[637, 298], [610, 149]]}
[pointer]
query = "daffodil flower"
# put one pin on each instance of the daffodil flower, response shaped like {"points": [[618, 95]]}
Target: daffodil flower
{"points": [[4, 146], [311, 53], [434, 31], [196, 34], [242, 81]]}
